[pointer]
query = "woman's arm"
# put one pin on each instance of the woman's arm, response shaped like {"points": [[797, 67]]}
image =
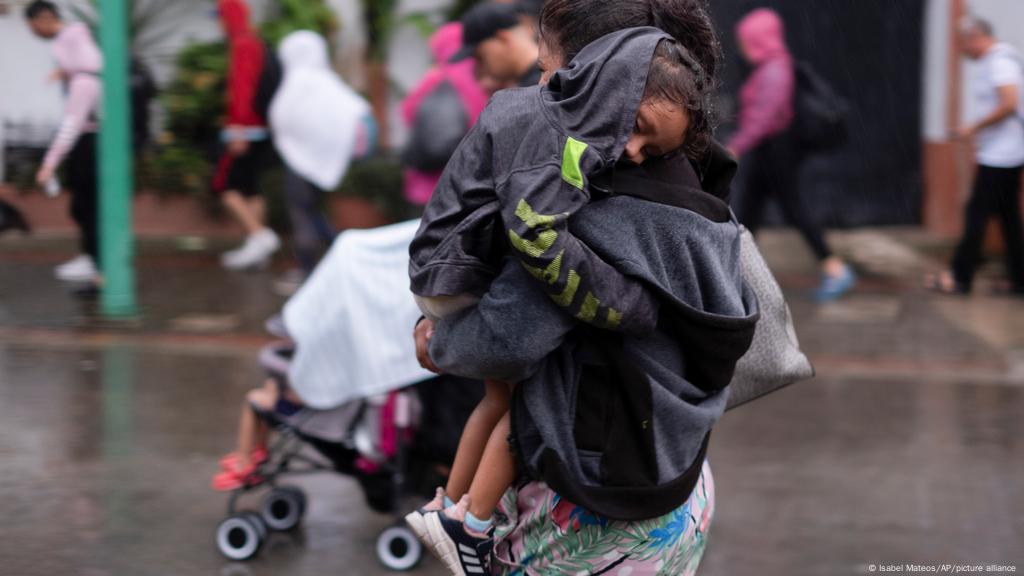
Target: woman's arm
{"points": [[504, 337]]}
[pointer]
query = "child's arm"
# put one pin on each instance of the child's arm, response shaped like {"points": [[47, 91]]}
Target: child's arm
{"points": [[506, 335], [536, 206]]}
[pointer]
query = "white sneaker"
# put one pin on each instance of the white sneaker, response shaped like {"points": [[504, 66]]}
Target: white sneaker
{"points": [[78, 269], [229, 258], [255, 252]]}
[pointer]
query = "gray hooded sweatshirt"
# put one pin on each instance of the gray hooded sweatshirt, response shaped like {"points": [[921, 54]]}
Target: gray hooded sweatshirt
{"points": [[524, 170], [620, 423]]}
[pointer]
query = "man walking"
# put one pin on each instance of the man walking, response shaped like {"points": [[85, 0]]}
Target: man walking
{"points": [[79, 63], [998, 133]]}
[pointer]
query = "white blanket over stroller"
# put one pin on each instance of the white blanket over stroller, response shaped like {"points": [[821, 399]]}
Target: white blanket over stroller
{"points": [[352, 320]]}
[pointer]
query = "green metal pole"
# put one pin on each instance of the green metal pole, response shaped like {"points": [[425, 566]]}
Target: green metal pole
{"points": [[117, 251]]}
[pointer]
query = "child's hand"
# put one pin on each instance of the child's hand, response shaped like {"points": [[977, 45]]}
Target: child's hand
{"points": [[422, 334]]}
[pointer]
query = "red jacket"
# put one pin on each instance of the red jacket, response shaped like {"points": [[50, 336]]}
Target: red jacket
{"points": [[245, 64]]}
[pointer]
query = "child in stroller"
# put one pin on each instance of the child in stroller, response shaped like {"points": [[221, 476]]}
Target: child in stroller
{"points": [[376, 440], [345, 395]]}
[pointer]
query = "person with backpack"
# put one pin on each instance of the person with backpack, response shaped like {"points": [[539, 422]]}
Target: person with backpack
{"points": [[439, 111], [79, 63], [998, 132], [252, 67], [769, 143]]}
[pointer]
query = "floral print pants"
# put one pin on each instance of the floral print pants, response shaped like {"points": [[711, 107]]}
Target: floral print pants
{"points": [[543, 534]]}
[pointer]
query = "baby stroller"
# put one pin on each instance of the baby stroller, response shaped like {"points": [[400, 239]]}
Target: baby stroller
{"points": [[377, 440], [348, 353]]}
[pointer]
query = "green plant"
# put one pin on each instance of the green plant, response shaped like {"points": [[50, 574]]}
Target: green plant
{"points": [[194, 100], [300, 15], [380, 180], [460, 7]]}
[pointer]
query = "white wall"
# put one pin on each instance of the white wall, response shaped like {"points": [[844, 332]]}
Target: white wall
{"points": [[935, 71], [26, 98]]}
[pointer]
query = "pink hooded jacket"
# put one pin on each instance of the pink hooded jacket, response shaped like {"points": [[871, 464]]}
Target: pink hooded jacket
{"points": [[766, 99], [419, 186], [80, 60]]}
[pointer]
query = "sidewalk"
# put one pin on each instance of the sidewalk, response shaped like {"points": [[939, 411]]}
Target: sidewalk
{"points": [[888, 324]]}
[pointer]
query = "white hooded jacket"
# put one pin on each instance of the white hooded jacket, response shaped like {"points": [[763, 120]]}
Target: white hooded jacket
{"points": [[314, 116]]}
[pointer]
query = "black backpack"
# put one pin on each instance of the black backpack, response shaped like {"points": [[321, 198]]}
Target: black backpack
{"points": [[820, 112], [441, 123], [269, 82], [142, 91]]}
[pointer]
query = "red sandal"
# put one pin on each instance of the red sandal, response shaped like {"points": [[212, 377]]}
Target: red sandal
{"points": [[229, 480], [230, 461]]}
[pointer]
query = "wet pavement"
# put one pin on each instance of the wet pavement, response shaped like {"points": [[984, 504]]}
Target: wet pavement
{"points": [[907, 448]]}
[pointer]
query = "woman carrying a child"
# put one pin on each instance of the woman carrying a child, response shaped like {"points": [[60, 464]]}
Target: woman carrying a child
{"points": [[580, 245]]}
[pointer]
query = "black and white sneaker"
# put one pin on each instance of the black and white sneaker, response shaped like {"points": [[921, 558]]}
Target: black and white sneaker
{"points": [[415, 519], [464, 554]]}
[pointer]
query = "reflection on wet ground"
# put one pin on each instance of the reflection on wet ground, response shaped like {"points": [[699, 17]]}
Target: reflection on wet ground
{"points": [[908, 447]]}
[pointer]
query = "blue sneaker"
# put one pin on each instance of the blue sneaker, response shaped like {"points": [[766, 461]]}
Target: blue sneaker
{"points": [[463, 553], [833, 287]]}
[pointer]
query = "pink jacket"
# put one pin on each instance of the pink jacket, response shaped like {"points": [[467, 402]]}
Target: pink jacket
{"points": [[80, 60], [419, 186], [766, 99]]}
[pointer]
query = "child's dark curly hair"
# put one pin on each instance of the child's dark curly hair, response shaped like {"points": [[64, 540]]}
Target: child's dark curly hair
{"points": [[566, 26], [677, 78]]}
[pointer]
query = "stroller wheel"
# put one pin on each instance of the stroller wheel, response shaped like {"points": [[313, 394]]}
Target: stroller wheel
{"points": [[282, 508], [300, 494], [258, 522], [238, 537], [399, 549]]}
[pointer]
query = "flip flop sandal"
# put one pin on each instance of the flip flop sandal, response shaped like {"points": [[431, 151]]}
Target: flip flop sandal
{"points": [[258, 456], [934, 283]]}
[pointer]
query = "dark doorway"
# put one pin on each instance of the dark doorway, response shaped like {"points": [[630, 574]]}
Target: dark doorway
{"points": [[871, 52]]}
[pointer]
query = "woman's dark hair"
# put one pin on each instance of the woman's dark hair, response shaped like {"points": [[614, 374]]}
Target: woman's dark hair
{"points": [[569, 25], [37, 7]]}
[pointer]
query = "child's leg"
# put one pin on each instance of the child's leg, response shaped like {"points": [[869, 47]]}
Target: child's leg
{"points": [[494, 475], [252, 432], [475, 437]]}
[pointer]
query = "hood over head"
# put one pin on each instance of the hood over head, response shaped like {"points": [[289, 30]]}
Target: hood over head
{"points": [[303, 50], [596, 98], [446, 42], [763, 34], [234, 14], [315, 116]]}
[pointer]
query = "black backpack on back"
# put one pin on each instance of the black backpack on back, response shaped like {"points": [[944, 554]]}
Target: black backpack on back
{"points": [[270, 80], [142, 91], [441, 123], [821, 114]]}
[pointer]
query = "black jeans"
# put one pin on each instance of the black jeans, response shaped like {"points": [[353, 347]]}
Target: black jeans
{"points": [[81, 174], [996, 193], [773, 169], [311, 230]]}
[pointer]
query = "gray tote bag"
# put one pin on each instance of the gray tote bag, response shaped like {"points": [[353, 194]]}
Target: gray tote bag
{"points": [[774, 359]]}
